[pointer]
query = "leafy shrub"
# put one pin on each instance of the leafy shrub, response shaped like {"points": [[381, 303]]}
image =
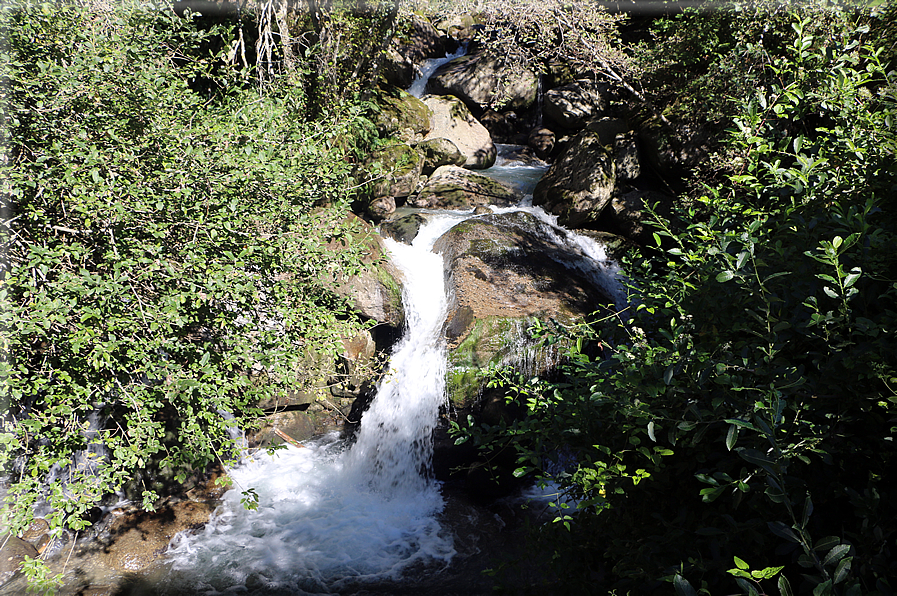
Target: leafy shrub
{"points": [[164, 254], [743, 408]]}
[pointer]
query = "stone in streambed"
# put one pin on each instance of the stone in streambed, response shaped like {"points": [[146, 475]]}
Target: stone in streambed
{"points": [[452, 120], [439, 151], [403, 229], [503, 272], [451, 187], [481, 81], [581, 183]]}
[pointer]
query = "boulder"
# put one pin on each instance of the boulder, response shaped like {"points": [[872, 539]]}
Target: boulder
{"points": [[504, 271], [403, 229], [298, 426], [439, 151], [626, 157], [571, 105], [397, 168], [542, 141], [451, 187], [459, 27], [402, 116], [138, 539], [397, 70], [381, 207], [419, 41], [674, 149], [485, 81], [376, 292], [580, 184], [12, 554], [607, 129], [627, 215], [453, 121]]}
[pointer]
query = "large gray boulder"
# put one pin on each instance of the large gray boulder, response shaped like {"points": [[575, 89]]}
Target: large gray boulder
{"points": [[573, 104], [451, 187], [580, 184], [485, 81], [453, 121], [503, 271]]}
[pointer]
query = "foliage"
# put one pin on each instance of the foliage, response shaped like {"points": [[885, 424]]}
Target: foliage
{"points": [[744, 407], [345, 45], [165, 255]]}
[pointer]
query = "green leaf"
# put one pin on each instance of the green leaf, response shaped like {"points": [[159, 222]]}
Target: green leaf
{"points": [[741, 564], [668, 374], [784, 586], [783, 531], [826, 543], [742, 424], [842, 570], [725, 276], [731, 437], [767, 573], [823, 589], [836, 554], [683, 587]]}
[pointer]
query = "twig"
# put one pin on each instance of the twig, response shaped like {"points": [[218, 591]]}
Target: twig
{"points": [[288, 438]]}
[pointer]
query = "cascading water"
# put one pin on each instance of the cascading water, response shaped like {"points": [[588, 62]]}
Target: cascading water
{"points": [[333, 519], [419, 85], [330, 519]]}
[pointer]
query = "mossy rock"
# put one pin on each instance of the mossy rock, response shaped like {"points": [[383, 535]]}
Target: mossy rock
{"points": [[402, 116], [451, 187], [439, 151], [398, 166], [505, 272]]}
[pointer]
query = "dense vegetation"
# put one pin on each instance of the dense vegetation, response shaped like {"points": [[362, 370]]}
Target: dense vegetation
{"points": [[166, 224], [740, 417]]}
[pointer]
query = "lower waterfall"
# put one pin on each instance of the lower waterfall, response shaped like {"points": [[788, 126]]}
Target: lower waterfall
{"points": [[332, 519], [369, 518]]}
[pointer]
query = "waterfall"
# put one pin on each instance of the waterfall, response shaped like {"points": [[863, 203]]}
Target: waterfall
{"points": [[332, 519], [419, 85], [340, 519]]}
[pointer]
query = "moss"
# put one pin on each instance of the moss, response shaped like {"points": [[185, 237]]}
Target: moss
{"points": [[400, 111], [491, 341], [393, 289]]}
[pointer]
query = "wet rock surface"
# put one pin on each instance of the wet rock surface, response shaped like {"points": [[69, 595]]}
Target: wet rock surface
{"points": [[503, 271], [404, 228]]}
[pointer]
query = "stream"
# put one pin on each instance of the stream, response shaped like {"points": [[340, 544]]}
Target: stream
{"points": [[368, 517]]}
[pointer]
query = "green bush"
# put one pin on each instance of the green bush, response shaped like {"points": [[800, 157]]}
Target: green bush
{"points": [[164, 254], [744, 407]]}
